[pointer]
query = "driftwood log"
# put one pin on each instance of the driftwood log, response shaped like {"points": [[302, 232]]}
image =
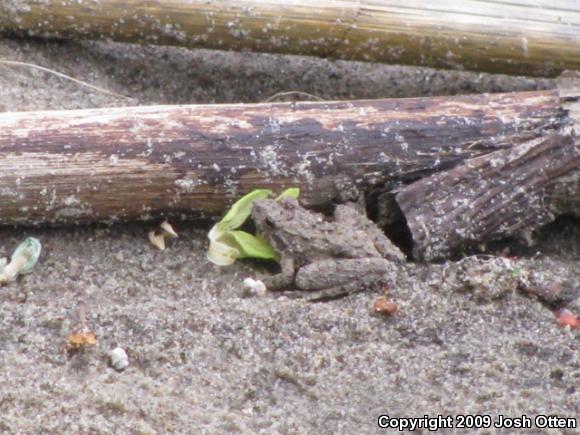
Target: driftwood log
{"points": [[504, 193], [517, 37], [126, 163], [465, 168]]}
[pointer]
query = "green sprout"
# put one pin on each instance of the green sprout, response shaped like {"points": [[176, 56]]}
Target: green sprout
{"points": [[227, 243]]}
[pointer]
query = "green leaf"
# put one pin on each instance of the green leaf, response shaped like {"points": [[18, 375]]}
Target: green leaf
{"points": [[253, 246], [292, 192], [227, 245], [242, 209]]}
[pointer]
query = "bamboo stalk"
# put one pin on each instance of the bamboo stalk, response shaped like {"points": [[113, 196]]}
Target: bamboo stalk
{"points": [[539, 38], [139, 162]]}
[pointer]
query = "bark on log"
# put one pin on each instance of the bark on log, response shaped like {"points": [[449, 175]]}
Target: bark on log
{"points": [[490, 197], [505, 193], [126, 163], [517, 37]]}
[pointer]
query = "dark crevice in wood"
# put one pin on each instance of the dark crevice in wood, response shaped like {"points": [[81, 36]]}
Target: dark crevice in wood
{"points": [[384, 210]]}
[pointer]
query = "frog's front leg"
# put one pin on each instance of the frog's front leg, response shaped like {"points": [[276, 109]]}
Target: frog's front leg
{"points": [[285, 278], [335, 277]]}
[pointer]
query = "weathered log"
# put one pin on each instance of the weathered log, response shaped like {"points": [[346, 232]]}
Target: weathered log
{"points": [[126, 163], [518, 37], [498, 195], [505, 193]]}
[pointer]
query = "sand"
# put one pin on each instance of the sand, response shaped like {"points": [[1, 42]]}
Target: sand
{"points": [[203, 359]]}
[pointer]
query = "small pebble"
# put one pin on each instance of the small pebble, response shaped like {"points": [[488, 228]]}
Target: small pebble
{"points": [[384, 306], [566, 318], [254, 287], [119, 359]]}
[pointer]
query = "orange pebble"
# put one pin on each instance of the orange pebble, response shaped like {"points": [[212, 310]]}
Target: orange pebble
{"points": [[384, 306], [77, 340], [565, 318]]}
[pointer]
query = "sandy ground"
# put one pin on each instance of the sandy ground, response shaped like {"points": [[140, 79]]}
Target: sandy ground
{"points": [[205, 360]]}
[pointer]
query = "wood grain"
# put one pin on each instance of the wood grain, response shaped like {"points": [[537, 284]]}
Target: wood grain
{"points": [[140, 162], [506, 193], [502, 194]]}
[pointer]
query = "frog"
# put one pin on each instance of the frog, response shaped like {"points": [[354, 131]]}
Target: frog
{"points": [[324, 257]]}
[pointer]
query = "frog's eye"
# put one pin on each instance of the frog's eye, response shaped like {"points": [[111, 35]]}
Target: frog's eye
{"points": [[269, 222]]}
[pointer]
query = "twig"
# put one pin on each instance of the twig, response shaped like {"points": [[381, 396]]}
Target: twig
{"points": [[64, 76], [290, 93]]}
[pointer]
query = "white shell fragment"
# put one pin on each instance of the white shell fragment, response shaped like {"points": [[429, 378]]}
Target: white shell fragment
{"points": [[254, 287], [119, 359], [157, 239], [168, 229], [22, 261]]}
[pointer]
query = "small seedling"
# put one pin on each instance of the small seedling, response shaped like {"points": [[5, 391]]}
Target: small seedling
{"points": [[227, 244], [22, 261]]}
